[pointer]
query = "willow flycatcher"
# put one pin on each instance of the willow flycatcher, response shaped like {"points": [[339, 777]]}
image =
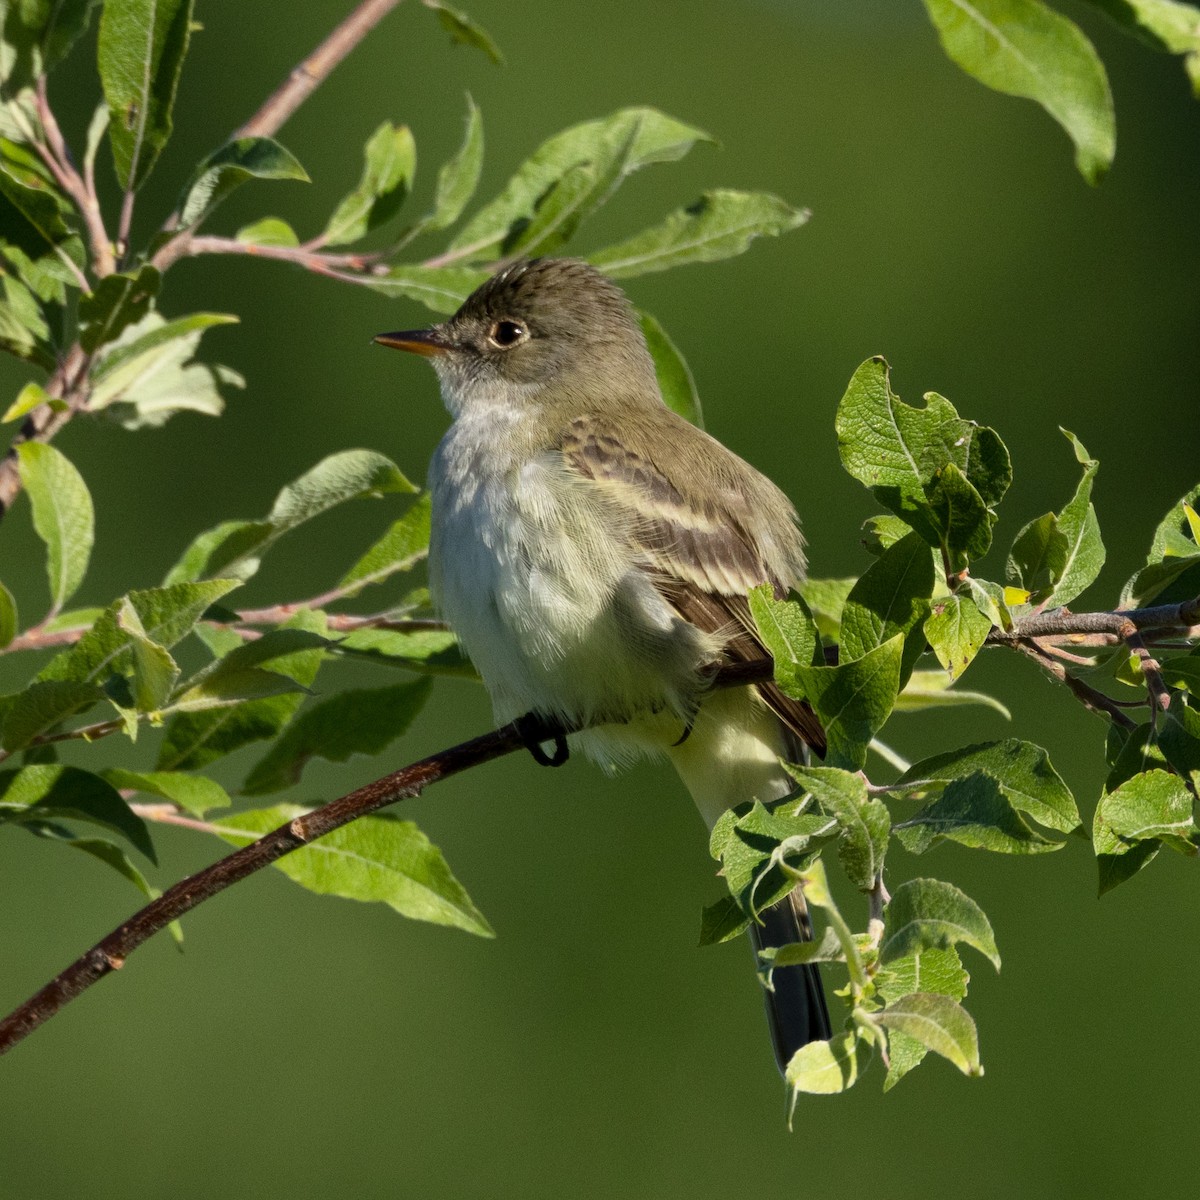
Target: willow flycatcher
{"points": [[593, 552]]}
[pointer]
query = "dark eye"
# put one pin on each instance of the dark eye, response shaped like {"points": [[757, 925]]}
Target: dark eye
{"points": [[507, 333]]}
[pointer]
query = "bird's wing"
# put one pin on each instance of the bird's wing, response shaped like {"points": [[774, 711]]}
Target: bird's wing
{"points": [[701, 556]]}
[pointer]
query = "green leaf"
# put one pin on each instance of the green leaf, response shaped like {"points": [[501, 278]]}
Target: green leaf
{"points": [[441, 289], [853, 700], [154, 670], [62, 515], [1150, 810], [721, 224], [464, 31], [1173, 537], [227, 168], [270, 231], [956, 631], [166, 614], [933, 689], [674, 376], [1164, 24], [235, 548], [929, 914], [52, 791], [38, 223], [23, 328], [1022, 770], [973, 812], [939, 971], [141, 50], [195, 794], [148, 374], [794, 954], [41, 706], [358, 721], [722, 921], [8, 617], [40, 33], [864, 821], [825, 599], [195, 739], [825, 1068], [31, 396], [940, 474], [891, 598], [601, 143], [248, 671], [389, 162], [788, 631], [404, 545], [1023, 48], [1172, 579], [1056, 557], [938, 1023], [99, 848], [376, 858], [458, 177], [346, 475], [118, 301], [432, 650]]}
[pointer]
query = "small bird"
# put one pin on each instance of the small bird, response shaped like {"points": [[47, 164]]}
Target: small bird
{"points": [[593, 552]]}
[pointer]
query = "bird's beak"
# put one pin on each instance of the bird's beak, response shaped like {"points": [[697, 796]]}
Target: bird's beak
{"points": [[428, 342]]}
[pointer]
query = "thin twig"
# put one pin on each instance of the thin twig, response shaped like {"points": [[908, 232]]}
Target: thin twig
{"points": [[1091, 699], [80, 189]]}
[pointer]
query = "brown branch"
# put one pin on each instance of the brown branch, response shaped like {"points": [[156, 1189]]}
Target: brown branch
{"points": [[110, 953], [80, 189], [1089, 697], [313, 71]]}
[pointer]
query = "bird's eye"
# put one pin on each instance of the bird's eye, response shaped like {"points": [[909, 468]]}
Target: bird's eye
{"points": [[504, 334]]}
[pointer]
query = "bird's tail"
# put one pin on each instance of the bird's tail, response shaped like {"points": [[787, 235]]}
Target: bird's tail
{"points": [[796, 1008], [732, 755]]}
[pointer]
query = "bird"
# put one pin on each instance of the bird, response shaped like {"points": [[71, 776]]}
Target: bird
{"points": [[593, 552]]}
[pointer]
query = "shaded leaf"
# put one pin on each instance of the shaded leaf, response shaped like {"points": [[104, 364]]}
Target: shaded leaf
{"points": [[8, 617], [1022, 770], [358, 721], [1147, 811], [973, 812], [118, 301], [932, 689], [376, 858], [464, 31], [389, 161], [227, 168], [195, 739], [41, 706], [891, 597], [141, 49], [52, 791], [674, 376], [404, 545], [441, 289], [825, 599], [459, 176], [853, 700]]}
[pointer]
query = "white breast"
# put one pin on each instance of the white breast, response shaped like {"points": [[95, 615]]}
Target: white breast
{"points": [[540, 583]]}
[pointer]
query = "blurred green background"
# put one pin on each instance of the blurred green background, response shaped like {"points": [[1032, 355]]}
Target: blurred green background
{"points": [[309, 1047]]}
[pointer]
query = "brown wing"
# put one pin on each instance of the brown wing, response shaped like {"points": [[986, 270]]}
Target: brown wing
{"points": [[701, 555]]}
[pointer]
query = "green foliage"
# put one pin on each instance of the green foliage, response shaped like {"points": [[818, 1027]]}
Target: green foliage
{"points": [[79, 304]]}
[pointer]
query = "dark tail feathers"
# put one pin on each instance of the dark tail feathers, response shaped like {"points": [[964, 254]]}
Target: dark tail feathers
{"points": [[796, 1008]]}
